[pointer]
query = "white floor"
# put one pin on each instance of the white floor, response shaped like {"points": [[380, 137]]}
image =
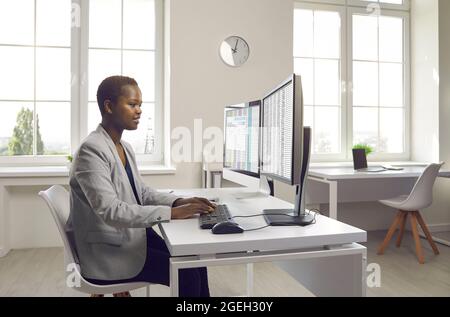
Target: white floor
{"points": [[39, 272]]}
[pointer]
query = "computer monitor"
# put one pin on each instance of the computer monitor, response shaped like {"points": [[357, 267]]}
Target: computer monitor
{"points": [[241, 148], [285, 148]]}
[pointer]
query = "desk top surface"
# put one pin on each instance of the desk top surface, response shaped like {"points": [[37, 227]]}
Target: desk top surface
{"points": [[337, 173], [184, 237]]}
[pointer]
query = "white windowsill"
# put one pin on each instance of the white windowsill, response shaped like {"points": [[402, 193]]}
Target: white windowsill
{"points": [[63, 171]]}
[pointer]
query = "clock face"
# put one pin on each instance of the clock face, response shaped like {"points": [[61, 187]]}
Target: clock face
{"points": [[234, 51]]}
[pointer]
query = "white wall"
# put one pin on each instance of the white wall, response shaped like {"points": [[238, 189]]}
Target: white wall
{"points": [[424, 81]]}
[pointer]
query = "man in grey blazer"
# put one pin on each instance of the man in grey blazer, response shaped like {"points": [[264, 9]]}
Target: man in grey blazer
{"points": [[112, 210]]}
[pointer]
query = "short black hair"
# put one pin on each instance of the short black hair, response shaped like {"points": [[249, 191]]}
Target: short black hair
{"points": [[111, 89]]}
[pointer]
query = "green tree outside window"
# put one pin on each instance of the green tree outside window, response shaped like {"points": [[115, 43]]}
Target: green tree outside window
{"points": [[21, 142]]}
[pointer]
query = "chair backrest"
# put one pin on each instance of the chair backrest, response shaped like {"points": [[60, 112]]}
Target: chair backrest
{"points": [[58, 201], [422, 193]]}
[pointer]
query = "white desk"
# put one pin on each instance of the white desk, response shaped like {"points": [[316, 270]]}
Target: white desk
{"points": [[364, 186], [324, 257]]}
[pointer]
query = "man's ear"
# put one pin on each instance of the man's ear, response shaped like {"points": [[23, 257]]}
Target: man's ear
{"points": [[107, 106]]}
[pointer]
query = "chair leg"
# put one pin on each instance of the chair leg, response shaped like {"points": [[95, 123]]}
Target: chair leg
{"points": [[415, 232], [427, 233], [402, 228], [123, 294], [97, 295], [390, 233]]}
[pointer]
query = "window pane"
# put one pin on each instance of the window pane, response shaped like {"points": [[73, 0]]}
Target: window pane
{"points": [[53, 74], [52, 15], [391, 85], [102, 64], [327, 130], [391, 39], [327, 34], [304, 68], [365, 38], [17, 73], [327, 83], [17, 22], [391, 130], [365, 84], [16, 115], [105, 23], [143, 139], [94, 116], [139, 24], [303, 33], [365, 126], [54, 127], [141, 66]]}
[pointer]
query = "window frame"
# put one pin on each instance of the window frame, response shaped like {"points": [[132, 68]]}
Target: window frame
{"points": [[356, 6], [79, 46]]}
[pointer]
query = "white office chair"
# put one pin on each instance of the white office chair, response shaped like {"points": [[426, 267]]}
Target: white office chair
{"points": [[420, 197], [57, 199]]}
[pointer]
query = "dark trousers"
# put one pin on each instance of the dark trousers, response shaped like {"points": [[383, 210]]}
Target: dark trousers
{"points": [[191, 282]]}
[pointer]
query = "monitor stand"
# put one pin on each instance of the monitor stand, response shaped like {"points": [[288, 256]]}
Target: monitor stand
{"points": [[286, 217], [290, 217], [265, 190]]}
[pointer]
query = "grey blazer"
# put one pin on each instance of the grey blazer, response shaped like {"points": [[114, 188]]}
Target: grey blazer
{"points": [[107, 221]]}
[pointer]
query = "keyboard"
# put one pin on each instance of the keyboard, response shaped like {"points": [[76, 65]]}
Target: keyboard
{"points": [[220, 214]]}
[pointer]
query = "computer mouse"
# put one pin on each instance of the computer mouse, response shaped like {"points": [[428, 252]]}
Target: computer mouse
{"points": [[227, 227]]}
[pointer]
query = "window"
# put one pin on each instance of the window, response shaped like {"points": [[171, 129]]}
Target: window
{"points": [[55, 53], [35, 65], [127, 47], [354, 63], [318, 59]]}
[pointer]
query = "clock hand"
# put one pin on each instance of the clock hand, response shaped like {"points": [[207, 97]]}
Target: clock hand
{"points": [[235, 47]]}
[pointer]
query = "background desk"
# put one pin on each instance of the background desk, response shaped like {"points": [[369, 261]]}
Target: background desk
{"points": [[324, 257], [363, 186]]}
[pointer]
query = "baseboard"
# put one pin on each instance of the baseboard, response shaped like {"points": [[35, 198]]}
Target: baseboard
{"points": [[442, 227]]}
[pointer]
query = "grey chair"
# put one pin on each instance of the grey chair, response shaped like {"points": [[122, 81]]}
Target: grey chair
{"points": [[57, 199], [420, 197]]}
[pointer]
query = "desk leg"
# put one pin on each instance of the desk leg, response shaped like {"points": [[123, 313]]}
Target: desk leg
{"points": [[333, 199], [173, 280], [250, 280], [364, 274], [4, 221]]}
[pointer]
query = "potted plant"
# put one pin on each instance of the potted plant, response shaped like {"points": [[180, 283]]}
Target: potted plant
{"points": [[69, 161], [360, 153], [367, 148]]}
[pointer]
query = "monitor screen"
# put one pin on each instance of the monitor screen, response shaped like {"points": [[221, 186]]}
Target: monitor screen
{"points": [[282, 132], [241, 148]]}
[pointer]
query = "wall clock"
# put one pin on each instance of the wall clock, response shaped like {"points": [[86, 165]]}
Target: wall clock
{"points": [[234, 51]]}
